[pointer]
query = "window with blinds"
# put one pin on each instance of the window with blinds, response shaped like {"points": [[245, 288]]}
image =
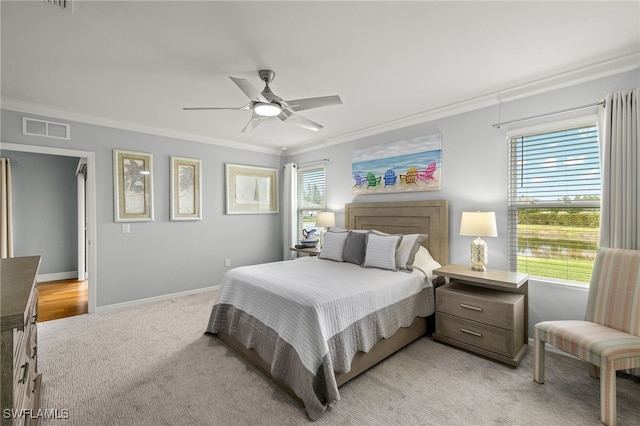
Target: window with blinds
{"points": [[554, 203], [311, 198]]}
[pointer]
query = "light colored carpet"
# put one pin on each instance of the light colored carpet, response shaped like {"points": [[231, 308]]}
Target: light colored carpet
{"points": [[151, 364]]}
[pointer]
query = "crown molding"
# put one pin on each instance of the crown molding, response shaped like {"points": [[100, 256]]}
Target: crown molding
{"points": [[558, 81], [60, 114]]}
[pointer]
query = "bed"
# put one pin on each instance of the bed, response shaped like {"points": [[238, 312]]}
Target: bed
{"points": [[334, 319]]}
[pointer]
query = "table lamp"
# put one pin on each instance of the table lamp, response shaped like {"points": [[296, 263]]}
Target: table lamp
{"points": [[479, 224]]}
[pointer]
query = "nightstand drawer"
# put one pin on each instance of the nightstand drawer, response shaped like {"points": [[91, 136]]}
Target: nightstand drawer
{"points": [[484, 336], [482, 305]]}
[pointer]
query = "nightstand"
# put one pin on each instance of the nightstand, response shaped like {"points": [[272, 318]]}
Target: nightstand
{"points": [[483, 312], [311, 251]]}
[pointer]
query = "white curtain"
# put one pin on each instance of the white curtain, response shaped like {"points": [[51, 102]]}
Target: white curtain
{"points": [[618, 123], [6, 227], [290, 211], [619, 120]]}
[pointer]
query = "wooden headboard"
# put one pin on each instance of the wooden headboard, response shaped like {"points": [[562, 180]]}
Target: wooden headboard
{"points": [[405, 217]]}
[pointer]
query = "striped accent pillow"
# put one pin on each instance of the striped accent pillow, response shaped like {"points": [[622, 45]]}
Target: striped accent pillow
{"points": [[333, 246], [382, 251], [407, 250]]}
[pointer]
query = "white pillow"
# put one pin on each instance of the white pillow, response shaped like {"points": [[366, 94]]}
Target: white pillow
{"points": [[382, 251], [333, 246], [425, 262], [408, 249], [336, 229]]}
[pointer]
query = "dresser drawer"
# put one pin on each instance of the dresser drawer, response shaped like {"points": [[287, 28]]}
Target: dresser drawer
{"points": [[19, 342], [483, 336], [491, 307]]}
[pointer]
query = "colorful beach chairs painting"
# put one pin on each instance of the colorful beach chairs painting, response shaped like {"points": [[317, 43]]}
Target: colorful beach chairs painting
{"points": [[411, 178], [390, 179]]}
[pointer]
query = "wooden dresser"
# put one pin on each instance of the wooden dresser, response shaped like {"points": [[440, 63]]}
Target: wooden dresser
{"points": [[20, 380]]}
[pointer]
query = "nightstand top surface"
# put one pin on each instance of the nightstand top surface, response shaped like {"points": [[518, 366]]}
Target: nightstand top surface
{"points": [[492, 277], [308, 250]]}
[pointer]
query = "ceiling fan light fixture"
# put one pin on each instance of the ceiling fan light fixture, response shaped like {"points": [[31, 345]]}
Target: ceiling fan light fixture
{"points": [[267, 109]]}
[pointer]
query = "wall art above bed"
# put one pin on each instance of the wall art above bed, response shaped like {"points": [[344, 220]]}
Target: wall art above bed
{"points": [[251, 190], [133, 186], [407, 165]]}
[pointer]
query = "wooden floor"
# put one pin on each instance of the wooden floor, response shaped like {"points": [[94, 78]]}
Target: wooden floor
{"points": [[61, 299]]}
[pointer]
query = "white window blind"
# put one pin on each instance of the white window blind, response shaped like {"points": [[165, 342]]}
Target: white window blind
{"points": [[311, 197], [554, 203]]}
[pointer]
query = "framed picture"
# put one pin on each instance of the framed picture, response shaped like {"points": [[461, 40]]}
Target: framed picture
{"points": [[186, 195], [409, 165], [133, 186], [251, 190]]}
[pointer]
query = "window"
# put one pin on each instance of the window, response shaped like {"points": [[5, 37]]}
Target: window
{"points": [[554, 202], [310, 198]]}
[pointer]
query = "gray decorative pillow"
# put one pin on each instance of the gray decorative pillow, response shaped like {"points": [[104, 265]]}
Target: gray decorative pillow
{"points": [[381, 251], [407, 250], [354, 247], [333, 246]]}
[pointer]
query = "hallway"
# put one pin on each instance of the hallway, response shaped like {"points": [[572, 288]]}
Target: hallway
{"points": [[61, 299]]}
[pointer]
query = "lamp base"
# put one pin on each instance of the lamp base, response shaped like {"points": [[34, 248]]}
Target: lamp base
{"points": [[479, 255]]}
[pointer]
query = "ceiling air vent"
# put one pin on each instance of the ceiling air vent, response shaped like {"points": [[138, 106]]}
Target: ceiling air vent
{"points": [[63, 4], [51, 129]]}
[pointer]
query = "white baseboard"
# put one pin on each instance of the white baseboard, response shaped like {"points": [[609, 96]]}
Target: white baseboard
{"points": [[57, 276], [117, 306]]}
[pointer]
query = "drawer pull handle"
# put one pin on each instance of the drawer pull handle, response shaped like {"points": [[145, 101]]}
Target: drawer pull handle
{"points": [[474, 333], [473, 308], [25, 373]]}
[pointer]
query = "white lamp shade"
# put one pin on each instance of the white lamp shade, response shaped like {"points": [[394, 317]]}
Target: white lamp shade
{"points": [[478, 224], [326, 219]]}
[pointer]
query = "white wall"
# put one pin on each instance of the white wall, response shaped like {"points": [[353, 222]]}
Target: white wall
{"points": [[475, 175]]}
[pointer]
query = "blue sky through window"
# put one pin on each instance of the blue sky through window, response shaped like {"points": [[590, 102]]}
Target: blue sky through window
{"points": [[558, 166]]}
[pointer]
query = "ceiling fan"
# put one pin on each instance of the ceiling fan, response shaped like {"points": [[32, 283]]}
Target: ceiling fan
{"points": [[266, 104]]}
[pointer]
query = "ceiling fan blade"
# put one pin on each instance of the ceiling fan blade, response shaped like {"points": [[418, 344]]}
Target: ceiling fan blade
{"points": [[253, 123], [309, 103], [249, 89], [242, 108], [298, 120]]}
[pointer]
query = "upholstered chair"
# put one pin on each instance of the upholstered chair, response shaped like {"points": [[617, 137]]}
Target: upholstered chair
{"points": [[609, 337]]}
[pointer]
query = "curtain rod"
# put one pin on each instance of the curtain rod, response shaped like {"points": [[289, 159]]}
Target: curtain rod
{"points": [[564, 111], [315, 161]]}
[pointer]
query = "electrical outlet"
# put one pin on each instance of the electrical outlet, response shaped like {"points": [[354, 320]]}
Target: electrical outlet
{"points": [[126, 228], [227, 262]]}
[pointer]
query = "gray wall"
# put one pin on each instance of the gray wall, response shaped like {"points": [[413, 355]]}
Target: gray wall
{"points": [[45, 214], [475, 175], [164, 257]]}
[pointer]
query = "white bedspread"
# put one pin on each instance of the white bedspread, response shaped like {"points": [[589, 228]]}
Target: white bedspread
{"points": [[329, 296]]}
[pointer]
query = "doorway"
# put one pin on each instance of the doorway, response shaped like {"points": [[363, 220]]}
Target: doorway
{"points": [[90, 200]]}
